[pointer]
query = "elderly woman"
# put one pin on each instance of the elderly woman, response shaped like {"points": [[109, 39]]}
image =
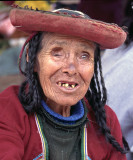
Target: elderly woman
{"points": [[59, 111]]}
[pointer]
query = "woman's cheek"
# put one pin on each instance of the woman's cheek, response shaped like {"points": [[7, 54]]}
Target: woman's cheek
{"points": [[87, 73]]}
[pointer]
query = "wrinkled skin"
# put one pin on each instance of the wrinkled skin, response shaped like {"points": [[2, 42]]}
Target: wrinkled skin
{"points": [[64, 59]]}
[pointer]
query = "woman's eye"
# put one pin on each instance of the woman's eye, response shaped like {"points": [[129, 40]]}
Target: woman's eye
{"points": [[57, 52], [84, 55]]}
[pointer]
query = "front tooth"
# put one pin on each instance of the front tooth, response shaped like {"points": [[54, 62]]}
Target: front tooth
{"points": [[66, 85], [59, 83], [73, 85], [63, 85]]}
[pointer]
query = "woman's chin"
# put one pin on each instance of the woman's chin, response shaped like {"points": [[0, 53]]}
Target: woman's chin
{"points": [[66, 102], [60, 101]]}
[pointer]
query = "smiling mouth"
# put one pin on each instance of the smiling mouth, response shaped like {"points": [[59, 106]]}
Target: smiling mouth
{"points": [[69, 85]]}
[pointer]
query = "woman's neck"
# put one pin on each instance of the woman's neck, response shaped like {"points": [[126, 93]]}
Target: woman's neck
{"points": [[62, 110]]}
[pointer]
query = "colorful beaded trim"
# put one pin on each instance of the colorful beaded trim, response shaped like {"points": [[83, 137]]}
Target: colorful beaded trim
{"points": [[43, 139], [57, 12]]}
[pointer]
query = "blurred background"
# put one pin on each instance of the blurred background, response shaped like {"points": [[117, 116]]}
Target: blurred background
{"points": [[11, 40]]}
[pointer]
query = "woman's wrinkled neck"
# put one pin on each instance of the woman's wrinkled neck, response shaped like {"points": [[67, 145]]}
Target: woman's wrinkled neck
{"points": [[62, 110]]}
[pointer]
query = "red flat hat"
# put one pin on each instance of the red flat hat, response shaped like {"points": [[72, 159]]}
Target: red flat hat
{"points": [[68, 22]]}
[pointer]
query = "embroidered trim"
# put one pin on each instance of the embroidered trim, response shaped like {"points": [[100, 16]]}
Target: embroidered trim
{"points": [[43, 139], [39, 157], [86, 154], [84, 151]]}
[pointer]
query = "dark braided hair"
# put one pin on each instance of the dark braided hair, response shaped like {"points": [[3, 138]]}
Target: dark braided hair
{"points": [[30, 92], [97, 97]]}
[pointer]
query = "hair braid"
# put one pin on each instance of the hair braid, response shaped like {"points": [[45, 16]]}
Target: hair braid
{"points": [[104, 95], [97, 98], [30, 90]]}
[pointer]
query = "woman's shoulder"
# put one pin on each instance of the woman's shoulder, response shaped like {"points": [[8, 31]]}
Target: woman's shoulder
{"points": [[111, 118], [95, 134], [10, 107], [9, 99], [17, 128], [12, 113], [11, 89], [109, 112]]}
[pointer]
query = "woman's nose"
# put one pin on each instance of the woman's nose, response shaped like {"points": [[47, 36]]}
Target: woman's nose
{"points": [[70, 66]]}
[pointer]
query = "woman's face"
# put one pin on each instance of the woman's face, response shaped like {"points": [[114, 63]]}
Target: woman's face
{"points": [[65, 67]]}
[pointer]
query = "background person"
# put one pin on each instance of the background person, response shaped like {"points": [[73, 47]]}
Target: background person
{"points": [[117, 71]]}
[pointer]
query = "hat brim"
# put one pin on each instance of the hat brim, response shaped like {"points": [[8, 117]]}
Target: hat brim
{"points": [[105, 34]]}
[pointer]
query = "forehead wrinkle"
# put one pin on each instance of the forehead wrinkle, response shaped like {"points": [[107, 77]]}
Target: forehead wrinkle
{"points": [[87, 45], [58, 43]]}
